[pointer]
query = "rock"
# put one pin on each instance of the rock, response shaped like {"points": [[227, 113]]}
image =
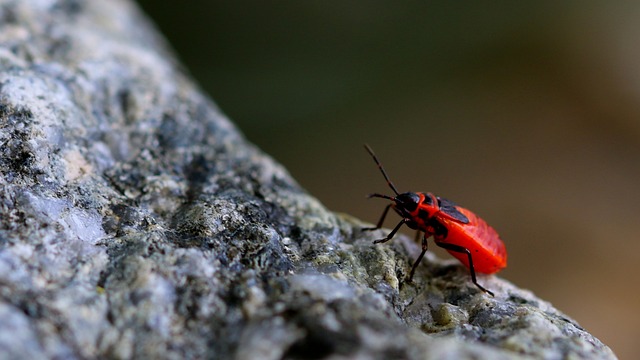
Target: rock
{"points": [[137, 222]]}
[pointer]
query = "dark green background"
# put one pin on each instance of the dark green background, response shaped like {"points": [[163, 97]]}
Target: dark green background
{"points": [[524, 112]]}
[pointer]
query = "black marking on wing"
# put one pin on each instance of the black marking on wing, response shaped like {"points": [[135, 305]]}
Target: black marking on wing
{"points": [[450, 208]]}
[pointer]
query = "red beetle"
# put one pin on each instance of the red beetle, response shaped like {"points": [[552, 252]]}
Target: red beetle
{"points": [[459, 231]]}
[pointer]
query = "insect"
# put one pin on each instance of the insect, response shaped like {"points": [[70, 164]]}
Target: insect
{"points": [[459, 231]]}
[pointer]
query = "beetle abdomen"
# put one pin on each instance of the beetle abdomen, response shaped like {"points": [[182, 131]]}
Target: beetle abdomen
{"points": [[487, 249]]}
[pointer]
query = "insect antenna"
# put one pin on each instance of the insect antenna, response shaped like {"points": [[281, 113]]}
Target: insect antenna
{"points": [[384, 173]]}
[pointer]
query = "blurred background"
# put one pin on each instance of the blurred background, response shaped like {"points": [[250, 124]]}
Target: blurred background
{"points": [[527, 113]]}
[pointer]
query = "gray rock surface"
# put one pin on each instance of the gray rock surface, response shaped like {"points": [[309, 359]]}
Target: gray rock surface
{"points": [[136, 222]]}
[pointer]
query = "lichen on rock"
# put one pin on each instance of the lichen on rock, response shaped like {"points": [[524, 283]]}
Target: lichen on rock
{"points": [[136, 221]]}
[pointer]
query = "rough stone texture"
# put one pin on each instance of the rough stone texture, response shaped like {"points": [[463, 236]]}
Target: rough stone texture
{"points": [[136, 222]]}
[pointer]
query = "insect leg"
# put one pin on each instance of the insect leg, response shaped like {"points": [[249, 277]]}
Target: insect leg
{"points": [[424, 251], [379, 225], [392, 233], [460, 249]]}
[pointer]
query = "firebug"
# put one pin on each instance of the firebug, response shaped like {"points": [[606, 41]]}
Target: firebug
{"points": [[459, 231]]}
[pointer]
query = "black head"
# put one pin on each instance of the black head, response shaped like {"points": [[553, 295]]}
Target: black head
{"points": [[406, 203]]}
